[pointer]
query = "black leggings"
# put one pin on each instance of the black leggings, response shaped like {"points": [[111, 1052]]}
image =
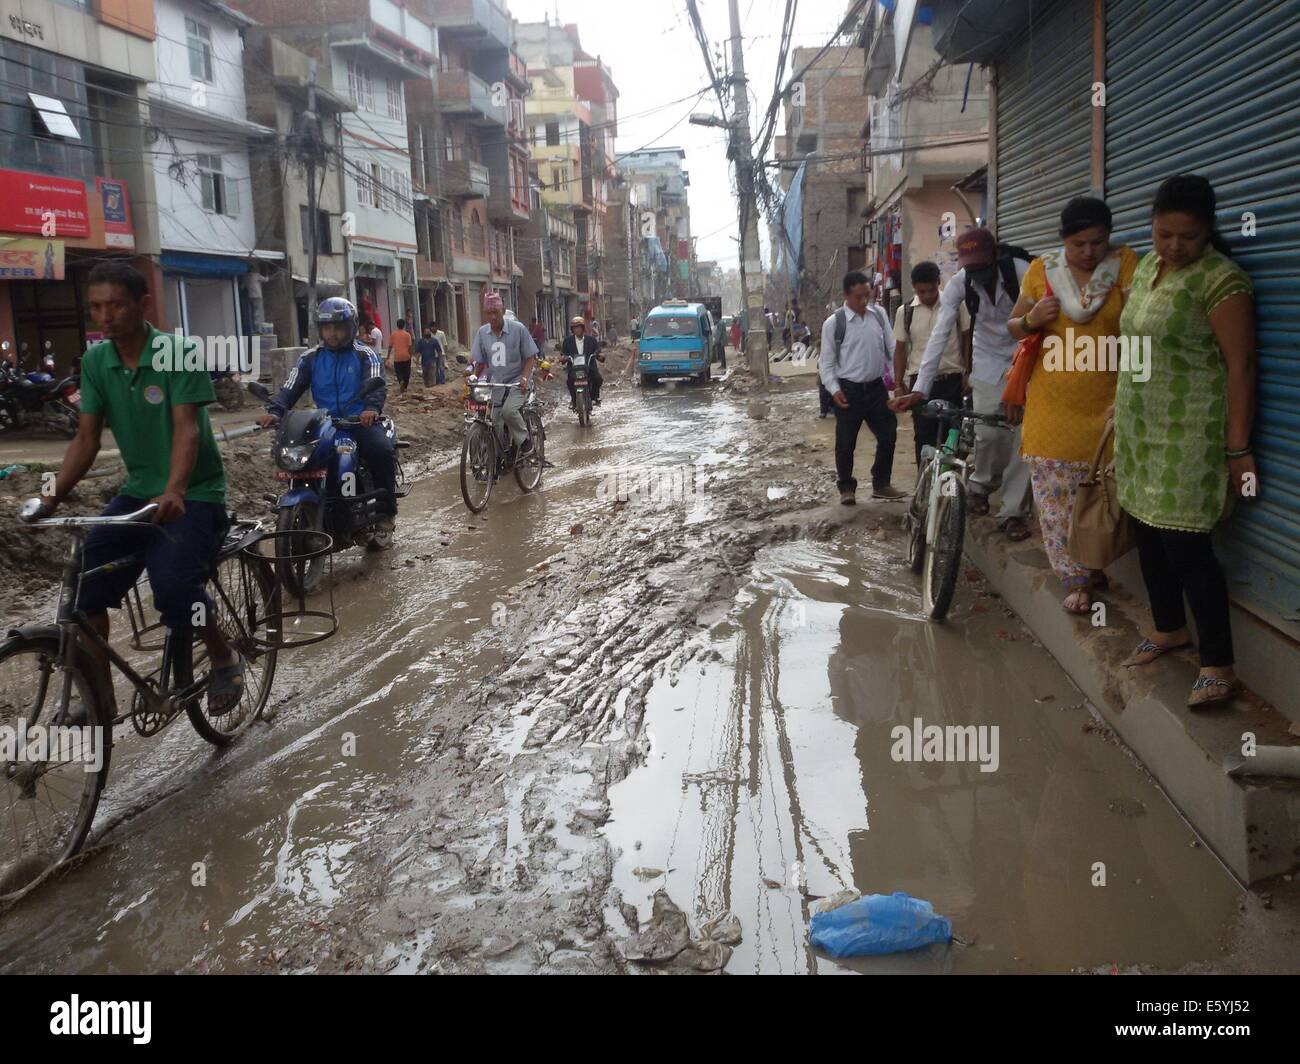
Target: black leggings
{"points": [[1177, 563]]}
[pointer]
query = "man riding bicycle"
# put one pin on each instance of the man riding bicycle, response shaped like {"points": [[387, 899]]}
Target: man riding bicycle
{"points": [[334, 370], [579, 343], [135, 382], [503, 348]]}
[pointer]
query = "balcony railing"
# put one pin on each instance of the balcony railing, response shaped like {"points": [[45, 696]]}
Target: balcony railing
{"points": [[463, 93], [473, 18], [465, 179], [401, 23]]}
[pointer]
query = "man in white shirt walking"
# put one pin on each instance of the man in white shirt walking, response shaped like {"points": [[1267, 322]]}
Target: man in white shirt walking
{"points": [[855, 347], [997, 451], [913, 325]]}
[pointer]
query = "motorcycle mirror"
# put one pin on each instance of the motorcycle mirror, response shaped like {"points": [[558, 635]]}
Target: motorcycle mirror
{"points": [[260, 390], [370, 386]]}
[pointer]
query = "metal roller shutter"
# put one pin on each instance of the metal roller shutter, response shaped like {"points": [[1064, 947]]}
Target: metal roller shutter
{"points": [[1044, 126], [1199, 86]]}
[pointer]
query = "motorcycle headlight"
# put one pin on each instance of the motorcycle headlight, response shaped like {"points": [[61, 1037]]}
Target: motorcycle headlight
{"points": [[481, 395], [346, 446], [294, 457]]}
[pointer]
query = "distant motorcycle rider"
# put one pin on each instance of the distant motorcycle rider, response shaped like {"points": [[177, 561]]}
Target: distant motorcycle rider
{"points": [[579, 343], [334, 370]]}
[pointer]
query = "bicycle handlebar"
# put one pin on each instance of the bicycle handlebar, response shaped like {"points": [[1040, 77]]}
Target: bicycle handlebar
{"points": [[32, 508]]}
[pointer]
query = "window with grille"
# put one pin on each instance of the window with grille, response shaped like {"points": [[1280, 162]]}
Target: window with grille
{"points": [[552, 134], [395, 109], [360, 86]]}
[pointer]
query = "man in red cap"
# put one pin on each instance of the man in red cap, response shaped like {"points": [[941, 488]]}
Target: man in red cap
{"points": [[989, 284]]}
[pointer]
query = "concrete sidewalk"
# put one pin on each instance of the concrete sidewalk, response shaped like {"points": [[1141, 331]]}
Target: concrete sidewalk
{"points": [[1251, 821]]}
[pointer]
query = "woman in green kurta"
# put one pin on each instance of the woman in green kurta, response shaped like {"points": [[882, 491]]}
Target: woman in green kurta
{"points": [[1183, 415]]}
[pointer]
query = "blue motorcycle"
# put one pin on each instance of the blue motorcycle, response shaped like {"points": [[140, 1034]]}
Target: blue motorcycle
{"points": [[327, 487]]}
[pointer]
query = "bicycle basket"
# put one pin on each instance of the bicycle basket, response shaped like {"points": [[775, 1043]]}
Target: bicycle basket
{"points": [[297, 569]]}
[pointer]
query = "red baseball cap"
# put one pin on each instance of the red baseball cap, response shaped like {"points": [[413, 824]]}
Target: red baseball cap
{"points": [[975, 248]]}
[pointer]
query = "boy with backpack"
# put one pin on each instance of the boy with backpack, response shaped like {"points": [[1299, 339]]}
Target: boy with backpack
{"points": [[988, 283], [853, 366], [913, 325]]}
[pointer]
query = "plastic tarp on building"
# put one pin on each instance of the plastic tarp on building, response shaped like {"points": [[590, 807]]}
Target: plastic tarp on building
{"points": [[790, 244], [657, 253]]}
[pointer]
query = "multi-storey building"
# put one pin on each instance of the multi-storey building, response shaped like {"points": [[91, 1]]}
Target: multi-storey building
{"points": [[824, 138], [76, 180], [472, 163], [667, 181], [921, 144], [278, 84], [366, 52], [572, 114]]}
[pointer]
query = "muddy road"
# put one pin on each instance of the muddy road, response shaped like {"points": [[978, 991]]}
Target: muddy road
{"points": [[675, 669]]}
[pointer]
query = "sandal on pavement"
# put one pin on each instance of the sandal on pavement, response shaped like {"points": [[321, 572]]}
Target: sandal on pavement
{"points": [[1015, 529], [1147, 652], [225, 688], [977, 504], [1212, 691]]}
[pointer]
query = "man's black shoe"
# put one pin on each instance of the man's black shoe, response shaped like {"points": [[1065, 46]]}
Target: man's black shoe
{"points": [[525, 448]]}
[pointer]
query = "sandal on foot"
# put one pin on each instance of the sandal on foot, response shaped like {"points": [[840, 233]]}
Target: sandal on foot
{"points": [[1147, 652], [1212, 691], [225, 688], [1083, 610], [977, 504], [1015, 529]]}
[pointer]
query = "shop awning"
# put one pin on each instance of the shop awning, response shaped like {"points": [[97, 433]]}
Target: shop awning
{"points": [[199, 265]]}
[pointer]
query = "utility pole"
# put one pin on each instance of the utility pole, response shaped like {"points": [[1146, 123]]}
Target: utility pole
{"points": [[310, 127], [751, 265]]}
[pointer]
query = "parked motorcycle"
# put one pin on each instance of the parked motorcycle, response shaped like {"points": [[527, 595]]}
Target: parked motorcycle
{"points": [[327, 487], [37, 399]]}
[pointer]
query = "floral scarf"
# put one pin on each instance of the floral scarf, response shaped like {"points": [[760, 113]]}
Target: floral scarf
{"points": [[1081, 306]]}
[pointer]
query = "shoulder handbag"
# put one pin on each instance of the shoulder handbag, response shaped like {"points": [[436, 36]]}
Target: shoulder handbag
{"points": [[1022, 365], [1100, 531]]}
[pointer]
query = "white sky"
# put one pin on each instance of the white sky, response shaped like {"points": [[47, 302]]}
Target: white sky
{"points": [[654, 58]]}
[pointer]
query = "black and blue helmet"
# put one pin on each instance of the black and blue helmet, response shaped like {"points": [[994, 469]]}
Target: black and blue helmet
{"points": [[338, 311]]}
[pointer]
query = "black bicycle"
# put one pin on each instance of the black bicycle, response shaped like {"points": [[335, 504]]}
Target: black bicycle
{"points": [[57, 717]]}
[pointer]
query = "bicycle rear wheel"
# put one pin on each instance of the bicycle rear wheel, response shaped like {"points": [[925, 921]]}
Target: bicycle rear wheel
{"points": [[528, 469], [241, 591], [943, 559], [47, 806], [478, 460]]}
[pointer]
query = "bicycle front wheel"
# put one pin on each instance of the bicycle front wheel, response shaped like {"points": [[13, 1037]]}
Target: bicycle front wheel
{"points": [[528, 469], [241, 592], [48, 794], [916, 513], [478, 460], [943, 558]]}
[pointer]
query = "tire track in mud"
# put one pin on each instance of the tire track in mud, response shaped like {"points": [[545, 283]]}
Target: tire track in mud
{"points": [[491, 857]]}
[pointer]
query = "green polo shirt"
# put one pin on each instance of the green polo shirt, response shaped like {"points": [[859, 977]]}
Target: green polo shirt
{"points": [[137, 406]]}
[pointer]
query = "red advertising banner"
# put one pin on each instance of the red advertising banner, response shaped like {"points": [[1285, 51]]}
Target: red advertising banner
{"points": [[118, 232], [30, 203]]}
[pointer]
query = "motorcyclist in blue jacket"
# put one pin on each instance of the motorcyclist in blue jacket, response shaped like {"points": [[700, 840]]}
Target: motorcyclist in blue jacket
{"points": [[334, 371]]}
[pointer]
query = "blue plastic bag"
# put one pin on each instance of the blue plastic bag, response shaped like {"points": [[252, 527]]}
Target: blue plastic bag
{"points": [[879, 923]]}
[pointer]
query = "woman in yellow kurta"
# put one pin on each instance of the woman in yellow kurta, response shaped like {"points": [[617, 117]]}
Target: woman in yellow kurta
{"points": [[1073, 383]]}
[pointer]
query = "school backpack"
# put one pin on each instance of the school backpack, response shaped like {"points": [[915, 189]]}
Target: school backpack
{"points": [[1006, 256]]}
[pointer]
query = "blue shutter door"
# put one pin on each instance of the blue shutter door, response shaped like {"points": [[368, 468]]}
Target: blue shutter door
{"points": [[1044, 126], [1199, 86]]}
